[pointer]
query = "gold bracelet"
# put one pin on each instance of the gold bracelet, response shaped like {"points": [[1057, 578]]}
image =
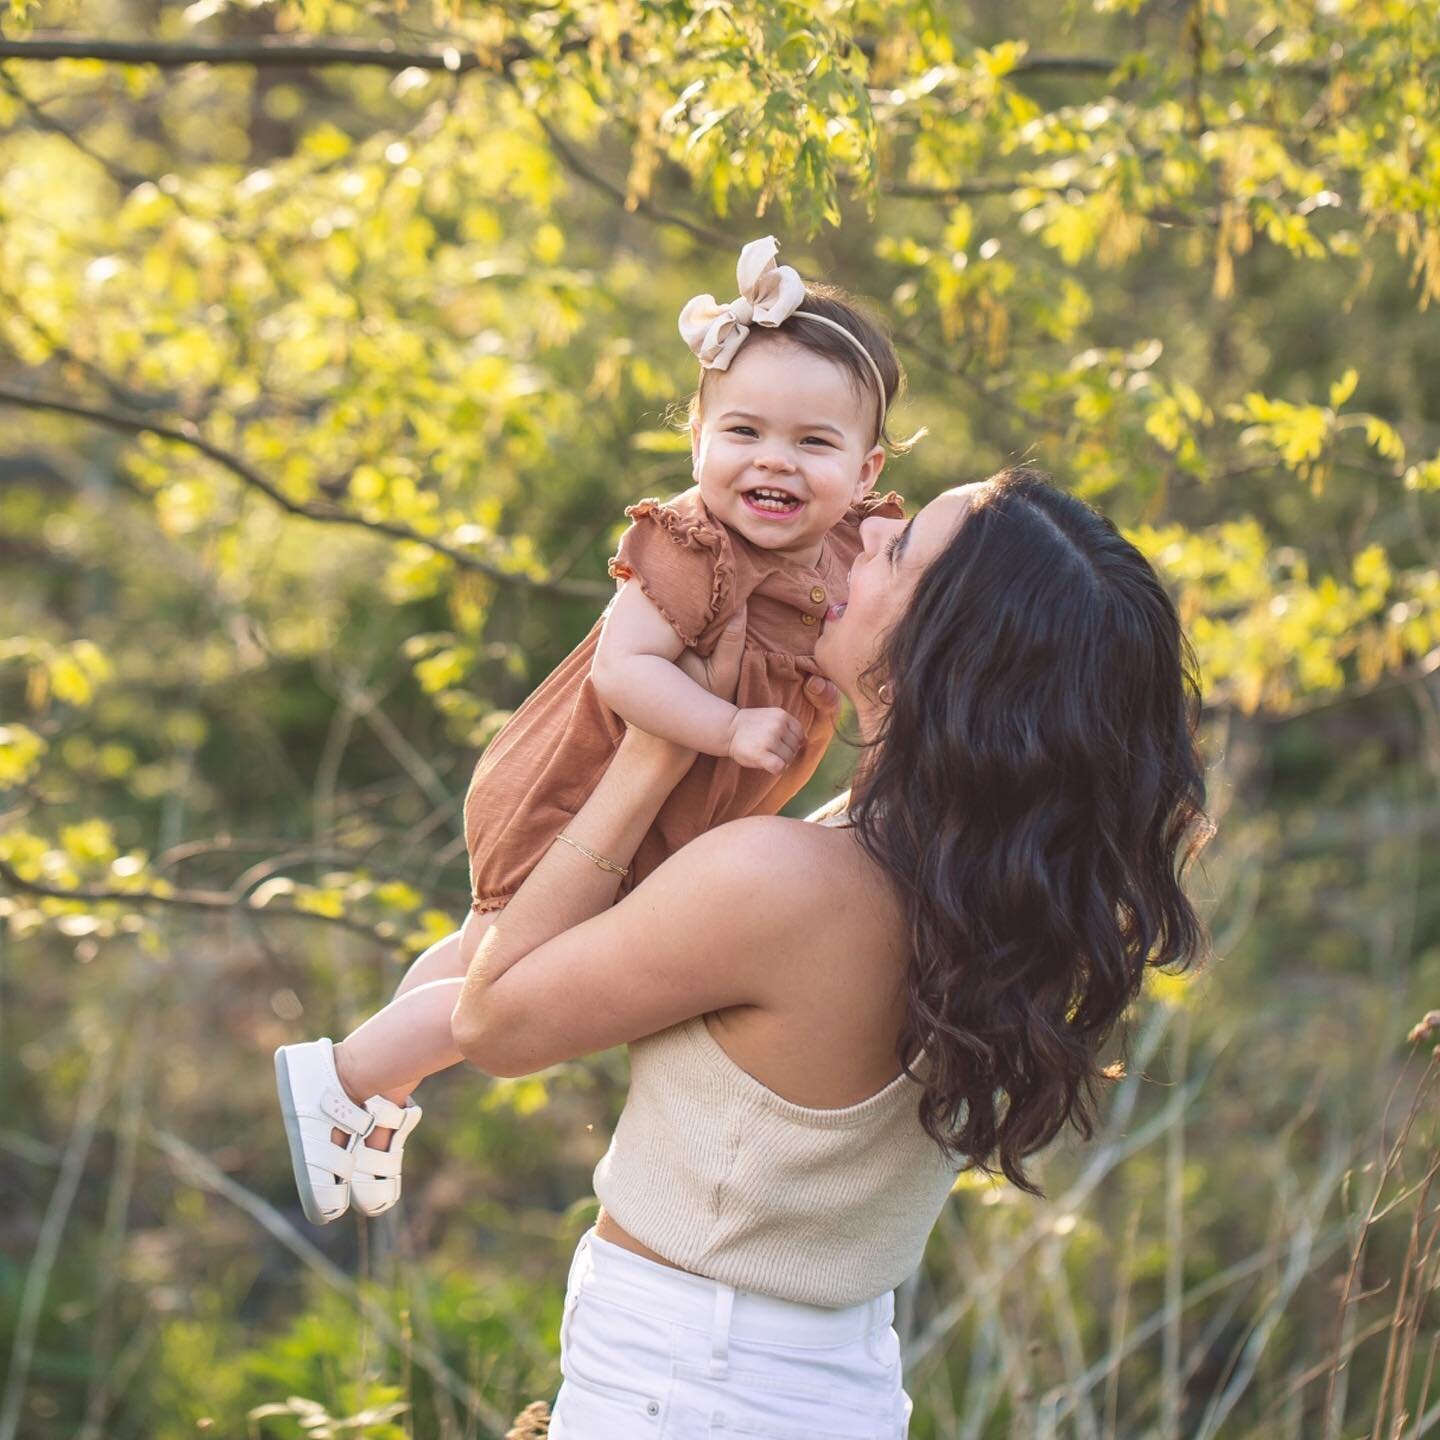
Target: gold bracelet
{"points": [[600, 860]]}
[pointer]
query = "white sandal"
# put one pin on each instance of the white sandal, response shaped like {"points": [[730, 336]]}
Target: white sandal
{"points": [[375, 1180], [313, 1102]]}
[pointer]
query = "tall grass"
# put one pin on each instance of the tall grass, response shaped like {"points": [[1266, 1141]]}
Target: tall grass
{"points": [[1245, 1251]]}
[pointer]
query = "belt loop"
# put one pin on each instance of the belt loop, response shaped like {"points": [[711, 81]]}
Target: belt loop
{"points": [[720, 1331]]}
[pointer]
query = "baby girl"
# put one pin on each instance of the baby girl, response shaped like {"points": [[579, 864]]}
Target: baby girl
{"points": [[786, 445]]}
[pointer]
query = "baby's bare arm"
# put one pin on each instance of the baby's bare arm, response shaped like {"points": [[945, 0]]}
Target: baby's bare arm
{"points": [[635, 674]]}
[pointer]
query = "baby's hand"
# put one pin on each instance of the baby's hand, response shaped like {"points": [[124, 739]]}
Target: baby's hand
{"points": [[765, 739]]}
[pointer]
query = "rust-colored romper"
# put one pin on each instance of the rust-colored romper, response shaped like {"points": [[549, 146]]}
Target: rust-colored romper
{"points": [[541, 767]]}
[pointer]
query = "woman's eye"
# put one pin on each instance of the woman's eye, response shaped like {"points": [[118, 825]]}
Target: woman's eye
{"points": [[893, 544]]}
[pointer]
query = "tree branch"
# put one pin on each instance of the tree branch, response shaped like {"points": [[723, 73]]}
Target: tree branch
{"points": [[212, 900], [1416, 673], [276, 51], [1011, 184], [1104, 65], [187, 433], [123, 176], [119, 394], [266, 50]]}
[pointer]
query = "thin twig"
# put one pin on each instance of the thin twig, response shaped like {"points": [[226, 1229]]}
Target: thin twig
{"points": [[714, 239], [415, 765]]}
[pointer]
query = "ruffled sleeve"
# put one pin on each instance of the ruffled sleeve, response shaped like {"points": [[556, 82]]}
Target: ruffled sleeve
{"points": [[888, 506], [683, 562], [844, 539]]}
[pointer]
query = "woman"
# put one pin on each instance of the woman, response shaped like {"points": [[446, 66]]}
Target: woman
{"points": [[978, 920]]}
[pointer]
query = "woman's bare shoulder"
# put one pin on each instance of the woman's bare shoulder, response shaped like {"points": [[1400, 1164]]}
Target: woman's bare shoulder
{"points": [[821, 932], [809, 871], [771, 839]]}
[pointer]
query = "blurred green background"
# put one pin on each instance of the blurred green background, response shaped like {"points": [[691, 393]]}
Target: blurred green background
{"points": [[335, 337]]}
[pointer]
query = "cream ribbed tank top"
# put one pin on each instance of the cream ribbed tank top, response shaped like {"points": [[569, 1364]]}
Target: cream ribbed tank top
{"points": [[720, 1175]]}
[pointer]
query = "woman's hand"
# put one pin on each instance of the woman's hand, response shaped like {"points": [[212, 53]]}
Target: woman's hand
{"points": [[720, 672], [824, 696]]}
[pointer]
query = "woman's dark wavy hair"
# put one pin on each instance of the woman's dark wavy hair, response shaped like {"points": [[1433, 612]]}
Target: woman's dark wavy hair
{"points": [[1036, 792]]}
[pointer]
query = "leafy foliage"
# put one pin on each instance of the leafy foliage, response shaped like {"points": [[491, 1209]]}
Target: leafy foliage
{"points": [[326, 382]]}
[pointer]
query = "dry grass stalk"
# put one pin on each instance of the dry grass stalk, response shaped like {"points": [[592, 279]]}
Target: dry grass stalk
{"points": [[1417, 1279], [93, 1097], [532, 1423]]}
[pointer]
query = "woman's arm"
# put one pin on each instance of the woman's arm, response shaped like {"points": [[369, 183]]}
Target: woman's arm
{"points": [[635, 674], [700, 934], [566, 888], [563, 972]]}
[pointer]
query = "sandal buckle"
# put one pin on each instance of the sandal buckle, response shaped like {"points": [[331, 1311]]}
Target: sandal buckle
{"points": [[346, 1113]]}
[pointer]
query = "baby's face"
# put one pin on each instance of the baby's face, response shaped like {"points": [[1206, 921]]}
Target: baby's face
{"points": [[783, 448]]}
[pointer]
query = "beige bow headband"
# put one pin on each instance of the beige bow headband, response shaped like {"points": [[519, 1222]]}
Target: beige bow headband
{"points": [[769, 293]]}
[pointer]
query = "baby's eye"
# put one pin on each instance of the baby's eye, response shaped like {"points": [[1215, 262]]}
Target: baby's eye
{"points": [[748, 430]]}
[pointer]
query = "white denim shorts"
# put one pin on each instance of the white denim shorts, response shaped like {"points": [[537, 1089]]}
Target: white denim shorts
{"points": [[652, 1353]]}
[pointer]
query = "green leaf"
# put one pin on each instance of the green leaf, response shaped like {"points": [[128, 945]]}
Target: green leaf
{"points": [[1371, 570], [90, 842], [21, 751]]}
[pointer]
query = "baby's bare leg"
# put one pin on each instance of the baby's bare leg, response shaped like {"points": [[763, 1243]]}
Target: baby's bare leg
{"points": [[401, 1044], [440, 962], [397, 1047]]}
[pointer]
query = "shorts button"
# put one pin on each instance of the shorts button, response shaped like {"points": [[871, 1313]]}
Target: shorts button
{"points": [[652, 1408], [817, 594], [807, 619]]}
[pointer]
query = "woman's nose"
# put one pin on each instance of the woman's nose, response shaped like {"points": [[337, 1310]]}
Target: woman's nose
{"points": [[875, 531]]}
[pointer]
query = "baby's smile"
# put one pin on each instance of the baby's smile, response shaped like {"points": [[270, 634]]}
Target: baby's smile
{"points": [[773, 502]]}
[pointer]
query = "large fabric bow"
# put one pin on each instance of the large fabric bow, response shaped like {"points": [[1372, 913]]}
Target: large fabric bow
{"points": [[768, 294]]}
